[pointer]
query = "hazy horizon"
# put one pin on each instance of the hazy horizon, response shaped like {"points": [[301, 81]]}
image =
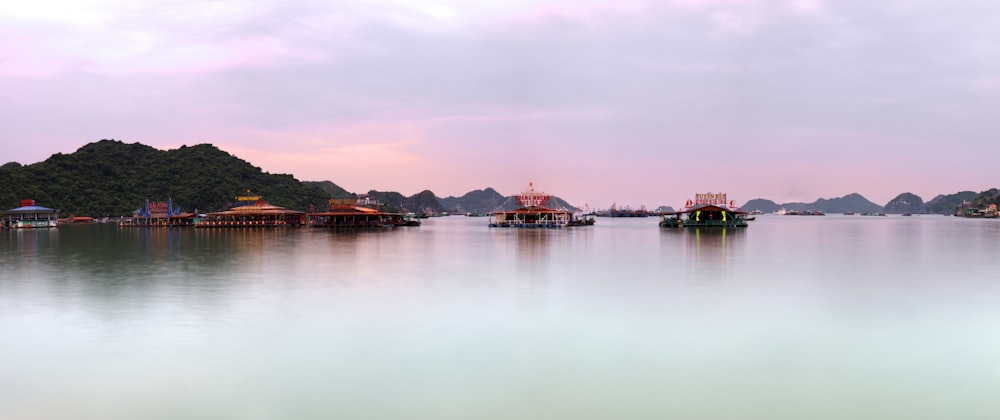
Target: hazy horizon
{"points": [[629, 102]]}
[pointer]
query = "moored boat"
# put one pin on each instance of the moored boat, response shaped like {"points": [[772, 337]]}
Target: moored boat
{"points": [[582, 220], [409, 219], [626, 211]]}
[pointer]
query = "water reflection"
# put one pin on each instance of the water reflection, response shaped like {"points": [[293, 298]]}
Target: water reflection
{"points": [[23, 247], [126, 322], [705, 248]]}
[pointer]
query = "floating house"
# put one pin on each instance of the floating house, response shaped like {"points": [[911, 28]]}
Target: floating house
{"points": [[251, 211], [159, 214], [533, 214], [707, 210], [345, 213], [28, 216]]}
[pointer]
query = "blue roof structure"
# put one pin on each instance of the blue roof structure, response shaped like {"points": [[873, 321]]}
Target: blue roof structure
{"points": [[30, 209]]}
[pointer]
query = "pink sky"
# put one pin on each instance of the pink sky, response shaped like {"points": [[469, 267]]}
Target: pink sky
{"points": [[627, 102]]}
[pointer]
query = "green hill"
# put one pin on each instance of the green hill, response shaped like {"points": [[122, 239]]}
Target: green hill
{"points": [[851, 202], [476, 201], [946, 204], [985, 198], [334, 190], [905, 203], [422, 202], [114, 178]]}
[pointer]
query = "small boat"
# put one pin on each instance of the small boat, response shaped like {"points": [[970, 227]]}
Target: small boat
{"points": [[848, 213], [582, 220], [409, 219], [873, 214]]}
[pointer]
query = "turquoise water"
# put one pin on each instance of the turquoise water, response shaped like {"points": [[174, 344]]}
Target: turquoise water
{"points": [[795, 317]]}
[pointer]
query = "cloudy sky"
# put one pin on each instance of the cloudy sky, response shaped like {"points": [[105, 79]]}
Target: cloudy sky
{"points": [[600, 102]]}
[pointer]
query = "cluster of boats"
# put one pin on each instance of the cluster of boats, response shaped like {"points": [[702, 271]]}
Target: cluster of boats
{"points": [[784, 212]]}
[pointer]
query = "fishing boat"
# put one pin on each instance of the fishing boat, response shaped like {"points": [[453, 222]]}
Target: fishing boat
{"points": [[408, 219], [707, 210], [585, 219]]}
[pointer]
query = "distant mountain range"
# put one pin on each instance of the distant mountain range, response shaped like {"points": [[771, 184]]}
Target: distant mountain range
{"points": [[110, 177], [903, 203], [477, 201], [851, 202]]}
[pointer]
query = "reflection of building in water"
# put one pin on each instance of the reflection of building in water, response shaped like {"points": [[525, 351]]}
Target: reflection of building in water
{"points": [[707, 247], [25, 246], [532, 264], [29, 216]]}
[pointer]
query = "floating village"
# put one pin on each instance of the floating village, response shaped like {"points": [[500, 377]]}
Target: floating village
{"points": [[708, 210]]}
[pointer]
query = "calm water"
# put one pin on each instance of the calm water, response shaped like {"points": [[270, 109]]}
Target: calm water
{"points": [[836, 317]]}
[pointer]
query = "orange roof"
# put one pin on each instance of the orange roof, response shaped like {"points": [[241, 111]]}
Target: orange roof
{"points": [[256, 209]]}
